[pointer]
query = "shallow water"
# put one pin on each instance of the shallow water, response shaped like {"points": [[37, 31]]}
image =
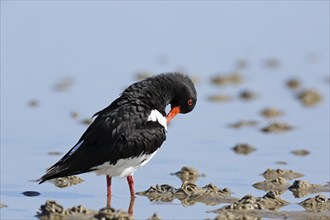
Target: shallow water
{"points": [[42, 43]]}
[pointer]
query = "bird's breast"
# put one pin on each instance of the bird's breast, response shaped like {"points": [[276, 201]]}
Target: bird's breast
{"points": [[156, 116]]}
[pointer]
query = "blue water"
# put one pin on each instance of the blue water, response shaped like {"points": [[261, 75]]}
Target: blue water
{"points": [[102, 45]]}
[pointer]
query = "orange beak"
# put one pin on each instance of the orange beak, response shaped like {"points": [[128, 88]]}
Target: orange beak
{"points": [[174, 111]]}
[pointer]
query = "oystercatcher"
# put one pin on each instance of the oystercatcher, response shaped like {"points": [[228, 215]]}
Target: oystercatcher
{"points": [[126, 135]]}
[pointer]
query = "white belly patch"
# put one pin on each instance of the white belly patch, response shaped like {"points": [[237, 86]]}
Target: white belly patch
{"points": [[124, 167]]}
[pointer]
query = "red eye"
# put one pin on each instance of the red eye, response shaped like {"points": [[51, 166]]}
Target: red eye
{"points": [[190, 102]]}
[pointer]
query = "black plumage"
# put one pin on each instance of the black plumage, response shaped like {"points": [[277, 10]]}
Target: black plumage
{"points": [[122, 130]]}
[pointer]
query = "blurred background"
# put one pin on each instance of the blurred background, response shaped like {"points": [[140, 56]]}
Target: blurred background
{"points": [[63, 61]]}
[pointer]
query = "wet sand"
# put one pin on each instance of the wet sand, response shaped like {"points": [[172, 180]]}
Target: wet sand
{"points": [[189, 194]]}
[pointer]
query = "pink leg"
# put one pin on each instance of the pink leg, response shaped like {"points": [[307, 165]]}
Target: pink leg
{"points": [[108, 191], [130, 181], [108, 185]]}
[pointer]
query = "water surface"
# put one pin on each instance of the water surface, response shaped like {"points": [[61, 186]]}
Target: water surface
{"points": [[102, 45]]}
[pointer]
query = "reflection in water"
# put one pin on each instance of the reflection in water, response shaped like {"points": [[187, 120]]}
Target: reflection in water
{"points": [[131, 187], [130, 209], [131, 206]]}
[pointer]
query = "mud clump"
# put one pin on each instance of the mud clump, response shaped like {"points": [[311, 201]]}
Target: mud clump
{"points": [[62, 182], [281, 162], [143, 75], [196, 80], [251, 207], [293, 83], [247, 95], [271, 112], [219, 98], [286, 174], [227, 79], [242, 64], [244, 149], [164, 193], [273, 201], [243, 123], [277, 127], [317, 204], [74, 114], [272, 63], [2, 205], [270, 201], [63, 84], [256, 208], [189, 194], [301, 188], [301, 152], [210, 194], [154, 217], [189, 174], [54, 153], [246, 203], [191, 189], [53, 210], [309, 97], [87, 121], [111, 213], [279, 184], [33, 103]]}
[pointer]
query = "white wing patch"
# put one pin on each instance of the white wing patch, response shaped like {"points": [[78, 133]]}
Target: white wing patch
{"points": [[155, 115], [76, 147]]}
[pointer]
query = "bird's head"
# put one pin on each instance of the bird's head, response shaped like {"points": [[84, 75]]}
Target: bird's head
{"points": [[184, 97]]}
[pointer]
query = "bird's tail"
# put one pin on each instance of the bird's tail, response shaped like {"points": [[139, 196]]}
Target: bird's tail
{"points": [[53, 172]]}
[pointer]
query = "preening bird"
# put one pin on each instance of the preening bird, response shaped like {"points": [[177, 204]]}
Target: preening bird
{"points": [[126, 135]]}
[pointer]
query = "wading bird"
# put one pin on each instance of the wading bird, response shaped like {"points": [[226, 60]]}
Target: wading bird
{"points": [[126, 135]]}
